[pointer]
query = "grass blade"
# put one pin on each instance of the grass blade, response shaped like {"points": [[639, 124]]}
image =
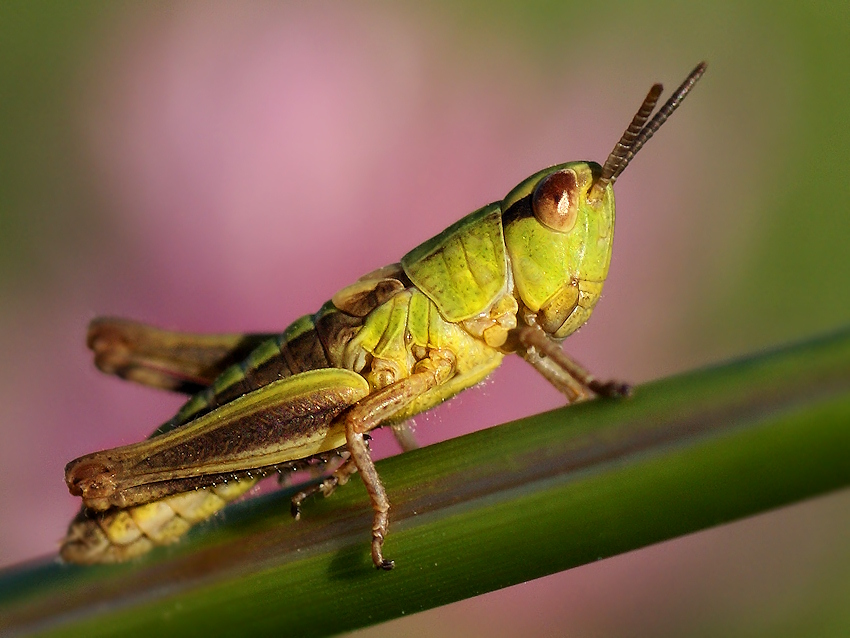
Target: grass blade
{"points": [[480, 512]]}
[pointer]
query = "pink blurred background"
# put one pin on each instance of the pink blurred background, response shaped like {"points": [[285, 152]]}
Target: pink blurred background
{"points": [[229, 166]]}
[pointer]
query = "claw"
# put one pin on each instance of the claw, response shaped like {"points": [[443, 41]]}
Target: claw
{"points": [[613, 389]]}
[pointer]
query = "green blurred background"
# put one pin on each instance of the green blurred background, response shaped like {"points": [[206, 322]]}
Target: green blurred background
{"points": [[228, 166]]}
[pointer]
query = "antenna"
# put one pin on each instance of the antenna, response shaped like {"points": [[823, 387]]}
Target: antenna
{"points": [[637, 134]]}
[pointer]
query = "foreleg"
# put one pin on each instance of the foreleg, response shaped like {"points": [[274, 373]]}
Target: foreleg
{"points": [[561, 370]]}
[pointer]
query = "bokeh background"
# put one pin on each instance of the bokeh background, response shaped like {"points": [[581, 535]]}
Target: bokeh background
{"points": [[228, 166]]}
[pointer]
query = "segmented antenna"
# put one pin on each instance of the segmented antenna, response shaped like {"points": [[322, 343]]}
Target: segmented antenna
{"points": [[624, 146], [633, 140]]}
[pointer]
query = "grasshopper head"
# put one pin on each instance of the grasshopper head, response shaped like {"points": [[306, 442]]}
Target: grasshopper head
{"points": [[557, 231], [559, 224]]}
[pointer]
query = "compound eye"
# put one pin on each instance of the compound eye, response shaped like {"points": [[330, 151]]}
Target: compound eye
{"points": [[555, 201]]}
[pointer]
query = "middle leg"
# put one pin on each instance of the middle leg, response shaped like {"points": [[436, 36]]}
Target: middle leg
{"points": [[368, 414]]}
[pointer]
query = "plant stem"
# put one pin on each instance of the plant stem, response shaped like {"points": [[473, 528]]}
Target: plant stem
{"points": [[480, 512]]}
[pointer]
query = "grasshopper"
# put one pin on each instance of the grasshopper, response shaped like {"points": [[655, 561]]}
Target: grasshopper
{"points": [[516, 276]]}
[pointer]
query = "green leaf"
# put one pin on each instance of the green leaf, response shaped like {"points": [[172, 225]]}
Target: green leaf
{"points": [[480, 512]]}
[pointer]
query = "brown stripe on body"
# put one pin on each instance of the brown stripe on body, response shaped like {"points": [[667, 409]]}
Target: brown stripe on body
{"points": [[317, 342], [299, 354], [152, 492], [304, 352], [261, 431]]}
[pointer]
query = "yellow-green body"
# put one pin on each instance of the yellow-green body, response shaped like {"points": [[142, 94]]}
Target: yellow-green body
{"points": [[459, 294]]}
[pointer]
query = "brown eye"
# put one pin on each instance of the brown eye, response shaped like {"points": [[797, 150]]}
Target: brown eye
{"points": [[555, 201]]}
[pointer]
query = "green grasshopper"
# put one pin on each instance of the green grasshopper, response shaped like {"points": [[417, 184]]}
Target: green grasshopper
{"points": [[516, 276]]}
